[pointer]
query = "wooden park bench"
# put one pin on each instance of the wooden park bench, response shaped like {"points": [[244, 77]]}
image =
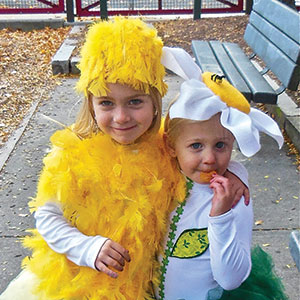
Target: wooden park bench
{"points": [[273, 33]]}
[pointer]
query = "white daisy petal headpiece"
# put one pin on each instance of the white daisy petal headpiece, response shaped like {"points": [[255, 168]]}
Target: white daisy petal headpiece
{"points": [[202, 95]]}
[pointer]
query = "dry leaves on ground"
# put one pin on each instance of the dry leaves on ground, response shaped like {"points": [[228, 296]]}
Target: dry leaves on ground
{"points": [[25, 73], [180, 32]]}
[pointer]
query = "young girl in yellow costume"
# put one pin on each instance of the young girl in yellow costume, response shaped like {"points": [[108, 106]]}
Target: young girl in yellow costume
{"points": [[108, 185]]}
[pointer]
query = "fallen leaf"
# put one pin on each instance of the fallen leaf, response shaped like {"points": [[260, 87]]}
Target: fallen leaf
{"points": [[25, 72], [23, 215]]}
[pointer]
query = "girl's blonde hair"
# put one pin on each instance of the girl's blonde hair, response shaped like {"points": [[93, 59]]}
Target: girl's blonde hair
{"points": [[86, 124], [172, 128]]}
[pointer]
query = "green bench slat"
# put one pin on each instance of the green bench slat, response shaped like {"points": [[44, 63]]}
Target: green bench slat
{"points": [[261, 90], [283, 67], [229, 70], [205, 58], [273, 33], [283, 42], [257, 88], [281, 16]]}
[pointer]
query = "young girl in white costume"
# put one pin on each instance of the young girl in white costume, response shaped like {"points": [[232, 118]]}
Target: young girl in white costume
{"points": [[108, 185], [209, 242]]}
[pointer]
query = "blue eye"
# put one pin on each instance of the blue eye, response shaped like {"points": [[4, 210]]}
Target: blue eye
{"points": [[106, 103], [135, 101], [220, 145], [196, 146]]}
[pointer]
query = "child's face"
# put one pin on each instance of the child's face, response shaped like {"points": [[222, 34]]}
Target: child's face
{"points": [[125, 114], [203, 147]]}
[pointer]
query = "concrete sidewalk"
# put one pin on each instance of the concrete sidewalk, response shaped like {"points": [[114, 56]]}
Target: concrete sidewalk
{"points": [[274, 185]]}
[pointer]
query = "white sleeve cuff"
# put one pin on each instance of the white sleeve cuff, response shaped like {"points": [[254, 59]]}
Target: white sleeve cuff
{"points": [[89, 251]]}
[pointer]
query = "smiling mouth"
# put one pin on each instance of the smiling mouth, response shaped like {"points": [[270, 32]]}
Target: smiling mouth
{"points": [[124, 129]]}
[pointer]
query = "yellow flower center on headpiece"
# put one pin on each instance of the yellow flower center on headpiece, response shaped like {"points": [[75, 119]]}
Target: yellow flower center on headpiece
{"points": [[227, 93]]}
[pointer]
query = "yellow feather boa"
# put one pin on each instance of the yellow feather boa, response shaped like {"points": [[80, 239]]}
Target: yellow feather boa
{"points": [[122, 192]]}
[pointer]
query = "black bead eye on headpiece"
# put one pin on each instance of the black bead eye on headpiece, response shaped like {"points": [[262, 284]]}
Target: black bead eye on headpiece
{"points": [[217, 78]]}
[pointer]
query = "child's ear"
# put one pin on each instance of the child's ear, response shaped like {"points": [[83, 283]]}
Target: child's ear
{"points": [[168, 145]]}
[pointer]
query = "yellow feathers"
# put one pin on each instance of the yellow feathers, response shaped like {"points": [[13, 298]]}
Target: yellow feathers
{"points": [[117, 169], [126, 51], [122, 192], [227, 93]]}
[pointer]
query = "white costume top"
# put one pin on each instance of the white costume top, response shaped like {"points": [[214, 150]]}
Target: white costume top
{"points": [[227, 260], [79, 248]]}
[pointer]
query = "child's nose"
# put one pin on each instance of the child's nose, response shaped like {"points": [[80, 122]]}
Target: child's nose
{"points": [[121, 115], [209, 157]]}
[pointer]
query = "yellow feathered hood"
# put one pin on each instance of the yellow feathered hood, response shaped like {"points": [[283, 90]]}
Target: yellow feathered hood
{"points": [[122, 50]]}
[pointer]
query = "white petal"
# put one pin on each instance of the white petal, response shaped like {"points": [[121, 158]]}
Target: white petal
{"points": [[181, 63], [196, 102], [266, 124], [240, 125]]}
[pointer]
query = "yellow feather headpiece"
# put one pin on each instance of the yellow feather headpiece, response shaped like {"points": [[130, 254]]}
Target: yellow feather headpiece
{"points": [[121, 50]]}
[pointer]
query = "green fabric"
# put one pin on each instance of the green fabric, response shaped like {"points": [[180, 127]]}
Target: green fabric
{"points": [[262, 283]]}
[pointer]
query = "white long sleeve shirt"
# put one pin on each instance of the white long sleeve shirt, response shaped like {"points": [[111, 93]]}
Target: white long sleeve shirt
{"points": [[226, 263]]}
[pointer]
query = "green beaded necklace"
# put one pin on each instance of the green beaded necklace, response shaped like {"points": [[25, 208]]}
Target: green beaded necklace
{"points": [[171, 237]]}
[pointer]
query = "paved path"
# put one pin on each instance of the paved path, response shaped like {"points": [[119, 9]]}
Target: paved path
{"points": [[274, 183]]}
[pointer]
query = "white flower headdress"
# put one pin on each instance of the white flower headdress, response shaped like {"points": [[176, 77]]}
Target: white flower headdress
{"points": [[202, 95]]}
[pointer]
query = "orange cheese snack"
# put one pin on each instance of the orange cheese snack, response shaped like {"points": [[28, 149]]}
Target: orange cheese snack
{"points": [[205, 177]]}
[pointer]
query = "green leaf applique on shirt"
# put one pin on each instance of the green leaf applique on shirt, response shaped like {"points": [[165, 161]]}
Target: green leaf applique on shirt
{"points": [[191, 243]]}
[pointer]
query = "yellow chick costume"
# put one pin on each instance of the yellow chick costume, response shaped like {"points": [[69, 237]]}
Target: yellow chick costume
{"points": [[124, 192]]}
